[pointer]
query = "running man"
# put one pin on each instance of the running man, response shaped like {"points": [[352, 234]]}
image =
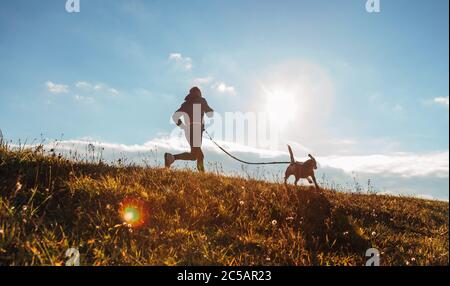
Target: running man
{"points": [[192, 111]]}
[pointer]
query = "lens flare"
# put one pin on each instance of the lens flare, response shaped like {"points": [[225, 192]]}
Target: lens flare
{"points": [[133, 212]]}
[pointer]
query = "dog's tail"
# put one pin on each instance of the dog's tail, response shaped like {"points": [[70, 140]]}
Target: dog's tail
{"points": [[291, 154]]}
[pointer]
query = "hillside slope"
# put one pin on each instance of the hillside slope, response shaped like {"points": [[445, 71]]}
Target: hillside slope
{"points": [[49, 204]]}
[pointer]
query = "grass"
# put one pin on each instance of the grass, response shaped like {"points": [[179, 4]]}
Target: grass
{"points": [[49, 204]]}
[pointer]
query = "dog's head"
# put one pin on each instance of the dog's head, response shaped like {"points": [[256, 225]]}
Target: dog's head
{"points": [[314, 161]]}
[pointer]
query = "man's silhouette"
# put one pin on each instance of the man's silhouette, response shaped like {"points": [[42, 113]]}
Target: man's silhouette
{"points": [[192, 110]]}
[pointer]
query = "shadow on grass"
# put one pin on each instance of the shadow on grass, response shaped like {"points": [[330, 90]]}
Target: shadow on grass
{"points": [[326, 229]]}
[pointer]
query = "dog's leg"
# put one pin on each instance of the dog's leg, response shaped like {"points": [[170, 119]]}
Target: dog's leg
{"points": [[286, 177], [296, 181], [315, 182], [286, 182], [287, 174]]}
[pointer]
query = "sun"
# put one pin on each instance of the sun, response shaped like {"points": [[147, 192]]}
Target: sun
{"points": [[281, 105], [296, 97]]}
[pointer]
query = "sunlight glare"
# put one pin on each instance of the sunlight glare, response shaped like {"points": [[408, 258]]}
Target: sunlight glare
{"points": [[133, 212], [281, 105]]}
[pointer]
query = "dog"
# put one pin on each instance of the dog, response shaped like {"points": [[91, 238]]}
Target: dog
{"points": [[301, 170]]}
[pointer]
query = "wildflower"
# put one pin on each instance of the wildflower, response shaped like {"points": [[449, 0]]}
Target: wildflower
{"points": [[241, 203], [374, 233], [18, 186], [413, 259], [345, 233], [129, 226], [108, 206], [274, 222], [290, 218], [24, 208], [268, 259], [130, 230]]}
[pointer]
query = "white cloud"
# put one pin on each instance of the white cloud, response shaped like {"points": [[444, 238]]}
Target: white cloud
{"points": [[57, 88], [221, 87], [81, 98], [425, 175], [217, 86], [418, 196], [425, 197], [181, 61], [441, 100], [175, 56], [202, 80], [405, 165], [345, 142], [401, 164], [398, 108], [83, 85], [97, 87], [113, 91]]}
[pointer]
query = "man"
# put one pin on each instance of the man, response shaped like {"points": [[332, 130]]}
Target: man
{"points": [[192, 110]]}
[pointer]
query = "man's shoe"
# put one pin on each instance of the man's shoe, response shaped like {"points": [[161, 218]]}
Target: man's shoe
{"points": [[200, 167], [168, 160]]}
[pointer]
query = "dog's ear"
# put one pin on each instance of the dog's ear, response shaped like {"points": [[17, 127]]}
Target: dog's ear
{"points": [[313, 160]]}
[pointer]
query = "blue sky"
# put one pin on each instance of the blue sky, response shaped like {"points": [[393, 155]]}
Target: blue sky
{"points": [[117, 70]]}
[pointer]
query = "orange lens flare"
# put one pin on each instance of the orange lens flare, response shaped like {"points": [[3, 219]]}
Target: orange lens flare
{"points": [[133, 212]]}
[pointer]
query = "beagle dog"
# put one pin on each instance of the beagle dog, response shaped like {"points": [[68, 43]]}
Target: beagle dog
{"points": [[301, 170]]}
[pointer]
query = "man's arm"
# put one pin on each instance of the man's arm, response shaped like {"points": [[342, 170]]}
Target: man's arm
{"points": [[208, 110], [176, 117]]}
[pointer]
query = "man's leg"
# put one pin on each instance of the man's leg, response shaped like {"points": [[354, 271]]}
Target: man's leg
{"points": [[185, 156], [188, 156], [169, 159], [198, 153]]}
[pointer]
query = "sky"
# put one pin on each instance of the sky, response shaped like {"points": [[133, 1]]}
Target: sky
{"points": [[367, 93]]}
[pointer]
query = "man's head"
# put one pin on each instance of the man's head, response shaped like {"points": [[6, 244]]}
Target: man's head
{"points": [[195, 91]]}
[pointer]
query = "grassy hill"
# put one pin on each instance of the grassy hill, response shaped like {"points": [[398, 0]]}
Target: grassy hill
{"points": [[49, 204]]}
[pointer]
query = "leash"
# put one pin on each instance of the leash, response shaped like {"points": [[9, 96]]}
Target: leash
{"points": [[242, 161]]}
